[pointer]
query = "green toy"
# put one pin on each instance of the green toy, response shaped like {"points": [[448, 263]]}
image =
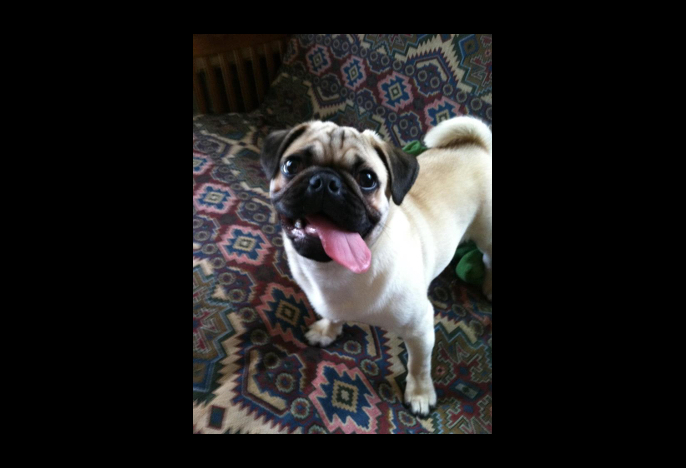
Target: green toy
{"points": [[470, 265]]}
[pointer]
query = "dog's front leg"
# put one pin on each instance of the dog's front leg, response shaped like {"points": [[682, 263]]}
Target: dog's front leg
{"points": [[420, 394]]}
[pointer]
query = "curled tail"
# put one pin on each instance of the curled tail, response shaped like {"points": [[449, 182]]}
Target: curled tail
{"points": [[460, 131]]}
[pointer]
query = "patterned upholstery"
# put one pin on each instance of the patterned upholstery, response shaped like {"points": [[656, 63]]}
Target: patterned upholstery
{"points": [[252, 368]]}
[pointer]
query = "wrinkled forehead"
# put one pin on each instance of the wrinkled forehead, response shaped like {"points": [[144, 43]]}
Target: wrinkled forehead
{"points": [[327, 144]]}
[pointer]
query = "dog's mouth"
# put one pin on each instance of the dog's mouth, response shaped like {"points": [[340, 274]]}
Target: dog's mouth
{"points": [[297, 227], [318, 237]]}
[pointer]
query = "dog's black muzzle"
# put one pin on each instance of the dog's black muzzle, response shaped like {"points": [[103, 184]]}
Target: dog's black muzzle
{"points": [[326, 192]]}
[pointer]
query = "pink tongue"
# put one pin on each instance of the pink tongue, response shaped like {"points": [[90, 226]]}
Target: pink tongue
{"points": [[347, 248]]}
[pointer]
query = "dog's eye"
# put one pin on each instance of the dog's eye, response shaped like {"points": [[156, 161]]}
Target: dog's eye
{"points": [[291, 166], [366, 180]]}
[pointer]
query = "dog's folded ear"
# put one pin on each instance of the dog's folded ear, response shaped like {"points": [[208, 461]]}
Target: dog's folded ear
{"points": [[275, 145], [402, 168]]}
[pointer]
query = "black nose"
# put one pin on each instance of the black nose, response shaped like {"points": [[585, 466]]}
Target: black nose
{"points": [[325, 179]]}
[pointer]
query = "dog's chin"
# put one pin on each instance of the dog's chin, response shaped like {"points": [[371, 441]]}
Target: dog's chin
{"points": [[305, 239]]}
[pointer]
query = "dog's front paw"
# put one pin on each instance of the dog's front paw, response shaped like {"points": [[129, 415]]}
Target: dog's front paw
{"points": [[323, 332], [420, 398]]}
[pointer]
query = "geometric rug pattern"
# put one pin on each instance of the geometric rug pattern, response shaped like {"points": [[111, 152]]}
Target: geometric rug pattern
{"points": [[399, 85]]}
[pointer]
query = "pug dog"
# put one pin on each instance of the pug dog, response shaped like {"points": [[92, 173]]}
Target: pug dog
{"points": [[367, 227]]}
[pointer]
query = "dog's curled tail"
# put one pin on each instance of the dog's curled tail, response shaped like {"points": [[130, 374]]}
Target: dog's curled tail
{"points": [[460, 131]]}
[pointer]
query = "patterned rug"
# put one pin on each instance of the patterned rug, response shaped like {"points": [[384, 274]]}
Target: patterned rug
{"points": [[399, 85], [253, 371]]}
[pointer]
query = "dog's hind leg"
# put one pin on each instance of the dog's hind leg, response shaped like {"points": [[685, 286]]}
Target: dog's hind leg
{"points": [[482, 233], [488, 280]]}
